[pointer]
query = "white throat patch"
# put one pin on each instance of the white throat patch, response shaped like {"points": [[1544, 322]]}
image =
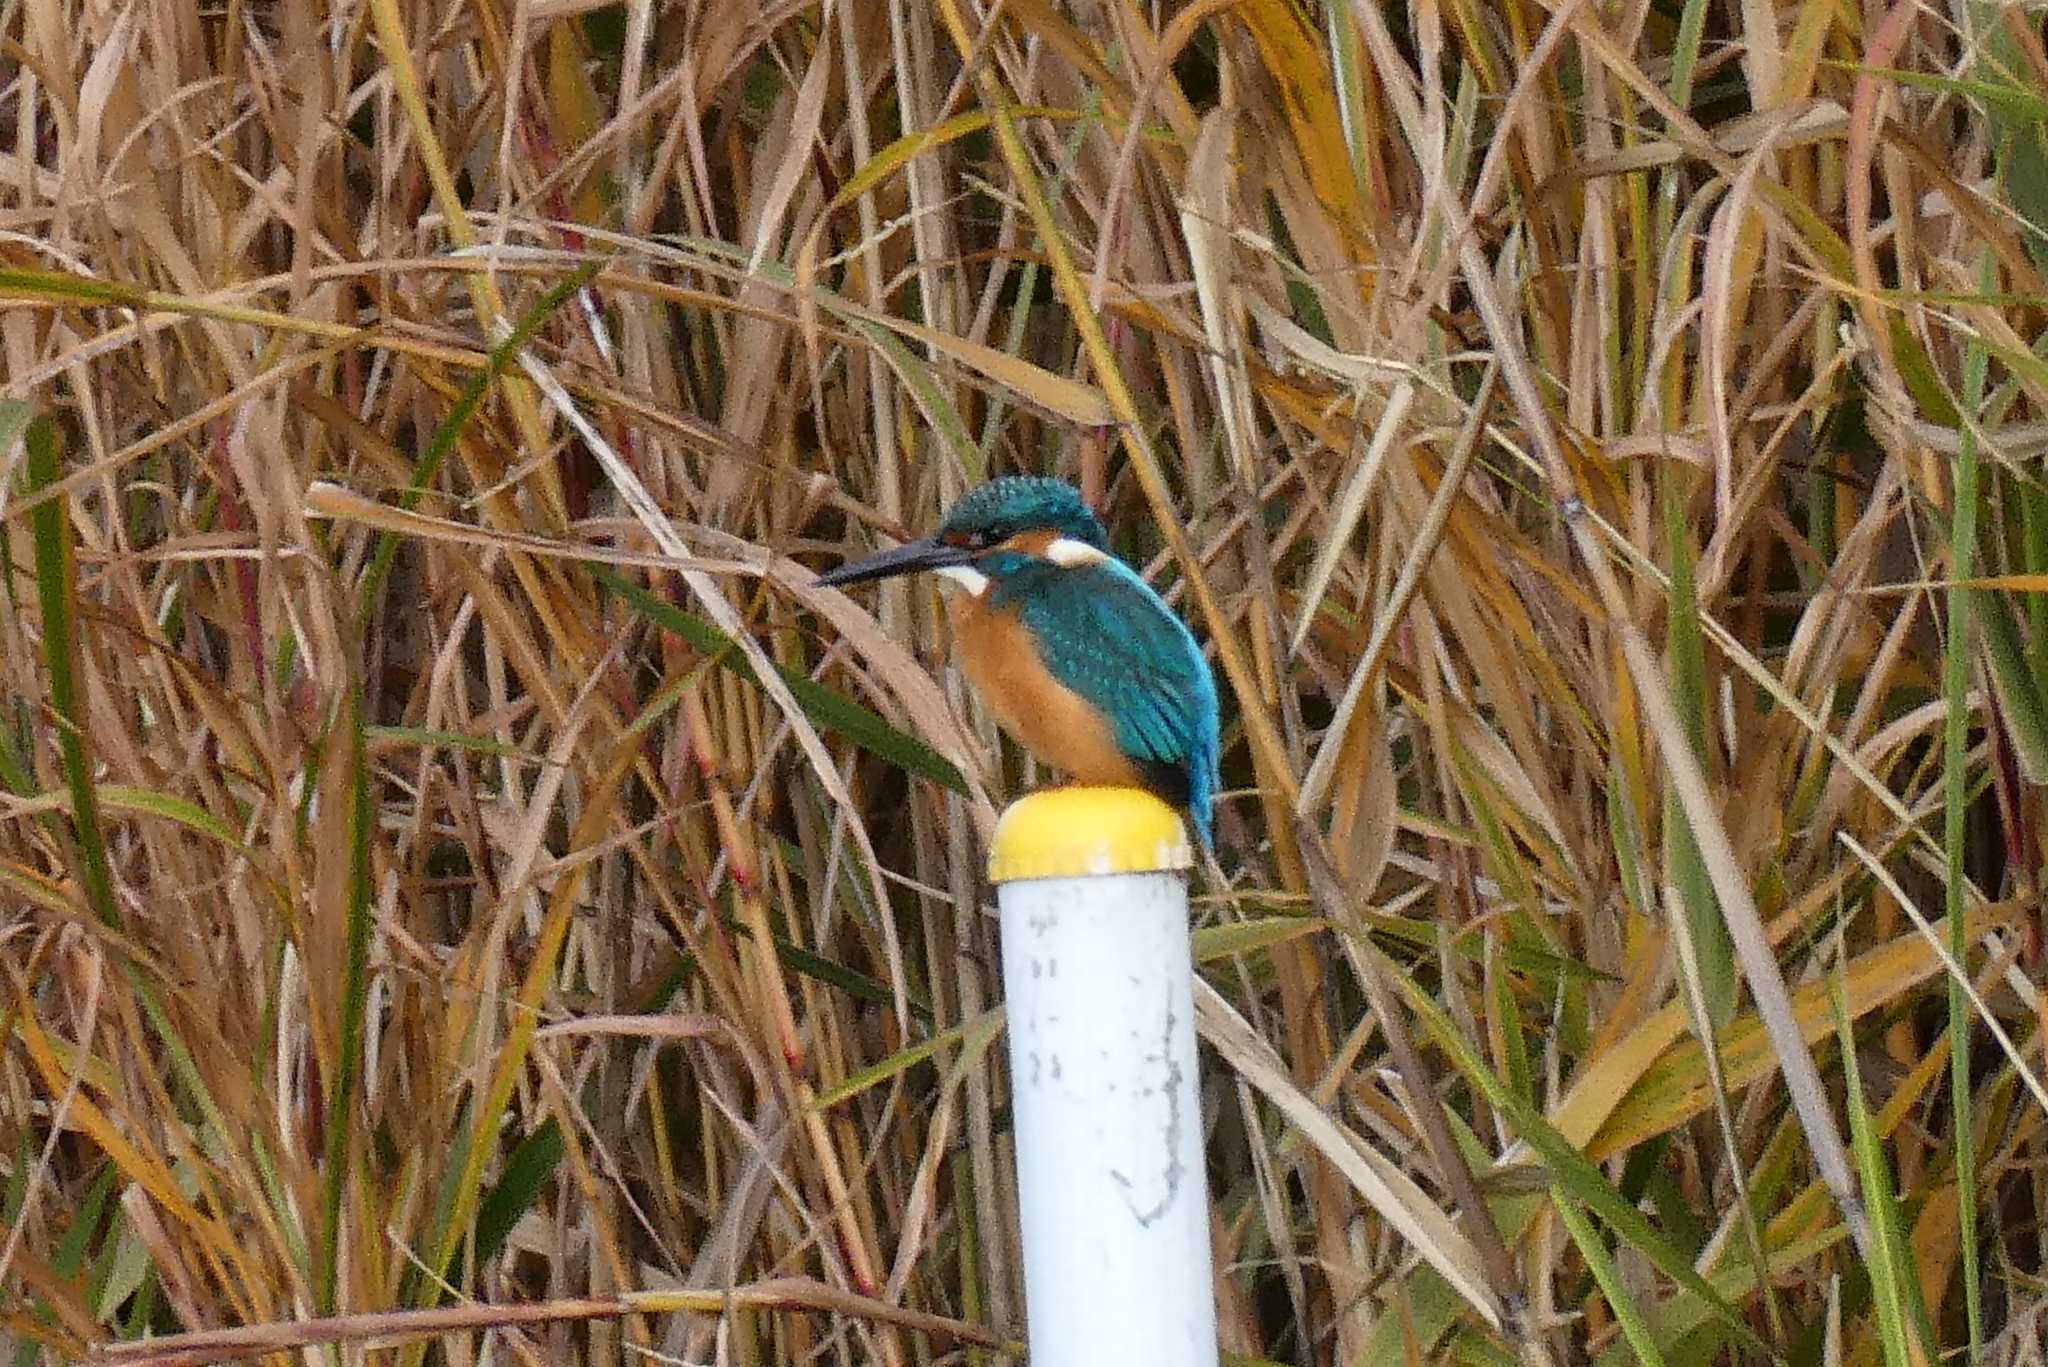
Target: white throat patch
{"points": [[1069, 554], [966, 576]]}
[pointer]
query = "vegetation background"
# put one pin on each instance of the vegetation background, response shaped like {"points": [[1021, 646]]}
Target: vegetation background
{"points": [[467, 897]]}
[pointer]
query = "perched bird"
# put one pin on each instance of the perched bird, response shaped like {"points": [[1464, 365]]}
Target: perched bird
{"points": [[1075, 654]]}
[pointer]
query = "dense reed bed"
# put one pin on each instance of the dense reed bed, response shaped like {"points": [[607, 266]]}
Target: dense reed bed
{"points": [[465, 896]]}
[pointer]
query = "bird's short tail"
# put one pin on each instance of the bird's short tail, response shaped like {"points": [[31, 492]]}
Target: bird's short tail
{"points": [[1202, 799]]}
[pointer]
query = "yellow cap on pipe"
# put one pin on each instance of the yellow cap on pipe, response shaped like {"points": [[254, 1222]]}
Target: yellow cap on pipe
{"points": [[1076, 832]]}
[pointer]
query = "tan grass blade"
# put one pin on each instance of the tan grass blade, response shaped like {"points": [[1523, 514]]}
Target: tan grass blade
{"points": [[1949, 965], [1379, 1180], [1349, 508], [720, 610], [1427, 539]]}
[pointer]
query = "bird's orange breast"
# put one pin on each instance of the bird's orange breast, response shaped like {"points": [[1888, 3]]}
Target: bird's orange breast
{"points": [[1047, 718]]}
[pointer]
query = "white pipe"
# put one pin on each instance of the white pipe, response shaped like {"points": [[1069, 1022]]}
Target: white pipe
{"points": [[1107, 1118]]}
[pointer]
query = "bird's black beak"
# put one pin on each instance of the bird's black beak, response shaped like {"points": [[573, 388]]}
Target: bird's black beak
{"points": [[926, 553]]}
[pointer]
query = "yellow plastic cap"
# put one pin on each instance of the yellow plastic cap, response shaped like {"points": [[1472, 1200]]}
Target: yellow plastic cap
{"points": [[1077, 832]]}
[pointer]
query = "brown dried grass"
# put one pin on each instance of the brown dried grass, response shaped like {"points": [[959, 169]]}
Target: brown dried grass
{"points": [[1553, 418]]}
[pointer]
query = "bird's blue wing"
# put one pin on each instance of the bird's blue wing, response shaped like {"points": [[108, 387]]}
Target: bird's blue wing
{"points": [[1104, 633]]}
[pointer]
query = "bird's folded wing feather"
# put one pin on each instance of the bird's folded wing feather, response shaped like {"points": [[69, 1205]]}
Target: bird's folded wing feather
{"points": [[1112, 640]]}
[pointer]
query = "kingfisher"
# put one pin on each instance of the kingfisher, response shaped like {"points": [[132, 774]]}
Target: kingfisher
{"points": [[1075, 654]]}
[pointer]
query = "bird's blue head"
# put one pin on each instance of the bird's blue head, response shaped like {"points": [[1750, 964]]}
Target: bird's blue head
{"points": [[996, 528], [1004, 508]]}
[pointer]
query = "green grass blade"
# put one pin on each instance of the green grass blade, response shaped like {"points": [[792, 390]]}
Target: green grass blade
{"points": [[932, 400], [525, 1176], [1890, 1265], [2006, 102], [2020, 704], [450, 428], [1955, 834], [14, 420], [2033, 559], [859, 986], [57, 593], [428, 738], [1713, 949], [1923, 380], [973, 1036], [1232, 938], [1571, 1169], [1626, 1311]]}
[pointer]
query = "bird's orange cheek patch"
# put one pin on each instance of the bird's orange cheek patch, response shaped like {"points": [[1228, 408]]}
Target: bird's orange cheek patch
{"points": [[1032, 543], [1062, 551]]}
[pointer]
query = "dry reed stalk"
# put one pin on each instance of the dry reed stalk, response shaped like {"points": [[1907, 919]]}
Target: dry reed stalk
{"points": [[1598, 445]]}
